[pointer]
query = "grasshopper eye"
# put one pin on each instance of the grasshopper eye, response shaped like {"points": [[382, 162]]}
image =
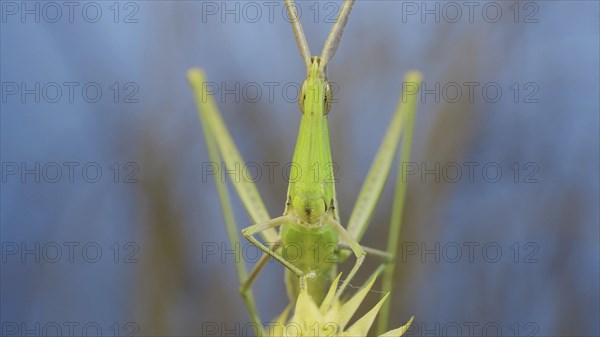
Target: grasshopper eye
{"points": [[327, 99], [302, 97]]}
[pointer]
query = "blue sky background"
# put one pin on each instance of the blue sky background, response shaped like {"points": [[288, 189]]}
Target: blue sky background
{"points": [[162, 211]]}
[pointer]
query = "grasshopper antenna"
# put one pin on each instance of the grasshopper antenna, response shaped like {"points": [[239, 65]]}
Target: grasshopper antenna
{"points": [[298, 32], [335, 35]]}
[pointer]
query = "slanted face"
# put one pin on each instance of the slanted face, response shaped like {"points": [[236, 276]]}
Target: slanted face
{"points": [[316, 90]]}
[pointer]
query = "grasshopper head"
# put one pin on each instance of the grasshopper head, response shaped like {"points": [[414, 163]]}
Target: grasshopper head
{"points": [[316, 89]]}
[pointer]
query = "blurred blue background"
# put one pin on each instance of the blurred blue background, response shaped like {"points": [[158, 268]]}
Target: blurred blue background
{"points": [[107, 208]]}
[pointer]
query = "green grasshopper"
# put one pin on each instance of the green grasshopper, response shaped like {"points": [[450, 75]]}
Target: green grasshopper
{"points": [[311, 221]]}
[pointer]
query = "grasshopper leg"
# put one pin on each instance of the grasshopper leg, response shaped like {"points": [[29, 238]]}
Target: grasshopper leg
{"points": [[249, 233]]}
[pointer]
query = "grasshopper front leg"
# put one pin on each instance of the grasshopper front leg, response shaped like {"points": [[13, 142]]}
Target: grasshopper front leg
{"points": [[249, 233], [358, 251]]}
